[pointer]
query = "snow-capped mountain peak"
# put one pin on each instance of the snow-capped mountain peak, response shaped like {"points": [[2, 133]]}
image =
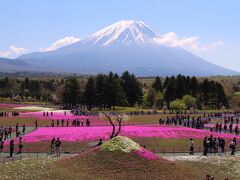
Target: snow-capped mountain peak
{"points": [[125, 32], [125, 45]]}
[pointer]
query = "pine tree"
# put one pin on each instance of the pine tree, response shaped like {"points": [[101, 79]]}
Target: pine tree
{"points": [[166, 81], [101, 90], [89, 93], [170, 91], [193, 87], [71, 92], [151, 97], [131, 88], [157, 85]]}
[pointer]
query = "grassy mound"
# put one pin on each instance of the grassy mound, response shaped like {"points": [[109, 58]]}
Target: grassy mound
{"points": [[122, 158]]}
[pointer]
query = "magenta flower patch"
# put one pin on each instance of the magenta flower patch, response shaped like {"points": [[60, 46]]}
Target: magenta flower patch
{"points": [[79, 134]]}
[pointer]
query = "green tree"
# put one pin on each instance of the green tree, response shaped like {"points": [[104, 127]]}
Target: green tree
{"points": [[189, 101], [71, 92], [89, 93], [170, 91], [235, 101], [157, 85], [178, 105], [166, 81], [159, 100], [131, 88], [151, 97], [193, 87], [101, 92]]}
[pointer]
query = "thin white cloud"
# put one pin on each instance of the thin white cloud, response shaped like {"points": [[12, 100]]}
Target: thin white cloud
{"points": [[4, 53], [171, 39], [13, 51], [60, 43], [17, 50], [207, 47]]}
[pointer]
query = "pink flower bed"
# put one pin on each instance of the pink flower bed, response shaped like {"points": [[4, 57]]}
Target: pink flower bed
{"points": [[146, 154], [94, 120], [5, 105], [78, 134]]}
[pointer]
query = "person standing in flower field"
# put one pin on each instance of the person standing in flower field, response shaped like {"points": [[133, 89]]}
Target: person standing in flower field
{"points": [[58, 146]]}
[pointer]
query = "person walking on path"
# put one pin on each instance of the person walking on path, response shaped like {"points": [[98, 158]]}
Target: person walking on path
{"points": [[232, 147], [10, 131], [52, 145], [205, 147], [1, 145], [57, 147], [191, 151], [11, 147], [36, 124], [24, 129], [20, 145]]}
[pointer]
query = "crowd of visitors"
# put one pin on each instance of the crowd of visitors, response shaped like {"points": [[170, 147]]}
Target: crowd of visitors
{"points": [[6, 114], [186, 121], [219, 127], [75, 123], [185, 112], [55, 146], [7, 133], [214, 145]]}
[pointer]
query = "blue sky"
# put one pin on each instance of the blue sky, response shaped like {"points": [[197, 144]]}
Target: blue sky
{"points": [[27, 25]]}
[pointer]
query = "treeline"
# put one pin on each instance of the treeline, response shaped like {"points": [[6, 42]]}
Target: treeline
{"points": [[28, 90], [109, 90], [206, 93]]}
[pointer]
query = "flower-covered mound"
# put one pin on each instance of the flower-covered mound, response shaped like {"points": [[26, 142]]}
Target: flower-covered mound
{"points": [[125, 144]]}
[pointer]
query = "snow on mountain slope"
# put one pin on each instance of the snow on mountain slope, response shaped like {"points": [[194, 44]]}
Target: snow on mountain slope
{"points": [[124, 33]]}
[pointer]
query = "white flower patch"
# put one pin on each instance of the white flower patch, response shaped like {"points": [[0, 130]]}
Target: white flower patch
{"points": [[121, 143]]}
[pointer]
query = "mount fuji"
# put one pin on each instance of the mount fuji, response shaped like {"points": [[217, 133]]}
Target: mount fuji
{"points": [[125, 45]]}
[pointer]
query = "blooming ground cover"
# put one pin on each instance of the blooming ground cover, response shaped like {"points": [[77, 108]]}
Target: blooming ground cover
{"points": [[5, 105], [80, 134], [124, 144]]}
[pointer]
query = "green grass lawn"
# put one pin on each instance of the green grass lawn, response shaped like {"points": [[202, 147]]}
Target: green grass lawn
{"points": [[28, 121]]}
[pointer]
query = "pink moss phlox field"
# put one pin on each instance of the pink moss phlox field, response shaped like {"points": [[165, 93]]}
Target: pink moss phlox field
{"points": [[5, 105], [146, 154], [79, 134], [60, 115], [57, 116]]}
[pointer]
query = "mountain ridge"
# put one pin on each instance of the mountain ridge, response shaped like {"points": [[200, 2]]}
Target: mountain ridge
{"points": [[125, 45]]}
